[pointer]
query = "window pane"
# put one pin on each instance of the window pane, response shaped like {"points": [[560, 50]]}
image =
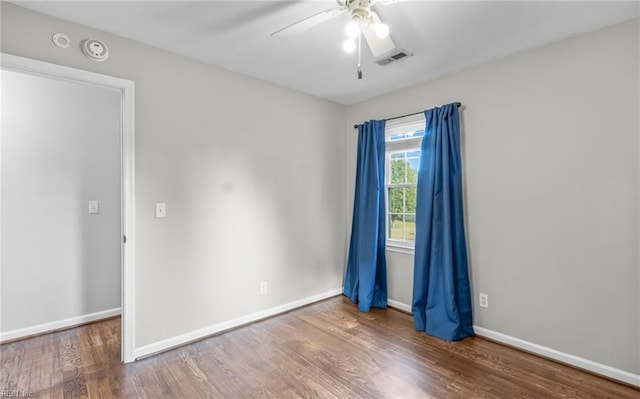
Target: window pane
{"points": [[412, 170], [396, 223], [389, 225], [410, 227], [396, 200], [398, 171], [403, 163], [410, 200]]}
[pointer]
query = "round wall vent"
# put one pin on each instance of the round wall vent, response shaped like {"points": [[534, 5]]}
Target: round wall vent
{"points": [[95, 50]]}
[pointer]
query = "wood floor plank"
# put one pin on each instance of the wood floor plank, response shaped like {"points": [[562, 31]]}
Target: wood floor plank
{"points": [[326, 350]]}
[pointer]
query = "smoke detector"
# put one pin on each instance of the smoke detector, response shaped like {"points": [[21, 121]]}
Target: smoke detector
{"points": [[95, 50], [393, 57]]}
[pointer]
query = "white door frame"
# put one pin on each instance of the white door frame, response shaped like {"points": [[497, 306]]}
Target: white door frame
{"points": [[126, 88]]}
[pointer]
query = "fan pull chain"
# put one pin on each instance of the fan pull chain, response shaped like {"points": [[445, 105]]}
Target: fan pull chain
{"points": [[359, 53]]}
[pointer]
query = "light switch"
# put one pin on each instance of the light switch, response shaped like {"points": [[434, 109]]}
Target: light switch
{"points": [[161, 210], [94, 207]]}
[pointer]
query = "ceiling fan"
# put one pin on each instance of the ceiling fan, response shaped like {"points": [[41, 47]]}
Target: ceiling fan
{"points": [[363, 22]]}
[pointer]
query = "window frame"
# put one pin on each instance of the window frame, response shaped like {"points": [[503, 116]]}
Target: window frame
{"points": [[395, 127]]}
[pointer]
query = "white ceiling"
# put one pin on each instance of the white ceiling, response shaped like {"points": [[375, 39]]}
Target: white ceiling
{"points": [[444, 36]]}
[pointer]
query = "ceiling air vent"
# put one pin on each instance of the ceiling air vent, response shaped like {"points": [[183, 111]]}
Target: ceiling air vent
{"points": [[393, 57]]}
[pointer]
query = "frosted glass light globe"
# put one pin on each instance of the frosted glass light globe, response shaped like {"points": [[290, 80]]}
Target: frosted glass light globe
{"points": [[352, 29], [349, 46]]}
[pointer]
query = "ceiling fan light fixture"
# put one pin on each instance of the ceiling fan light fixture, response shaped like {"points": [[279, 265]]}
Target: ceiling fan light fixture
{"points": [[382, 30], [352, 29], [349, 46]]}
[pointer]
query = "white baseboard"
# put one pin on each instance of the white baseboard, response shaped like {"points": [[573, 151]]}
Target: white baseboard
{"points": [[57, 325], [399, 305], [183, 339], [576, 361]]}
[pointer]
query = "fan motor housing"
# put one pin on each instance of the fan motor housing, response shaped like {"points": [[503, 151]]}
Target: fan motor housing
{"points": [[360, 10]]}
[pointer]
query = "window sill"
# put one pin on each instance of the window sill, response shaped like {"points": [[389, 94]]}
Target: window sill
{"points": [[399, 248]]}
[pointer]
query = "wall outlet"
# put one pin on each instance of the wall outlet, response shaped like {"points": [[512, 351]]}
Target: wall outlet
{"points": [[263, 287], [484, 300]]}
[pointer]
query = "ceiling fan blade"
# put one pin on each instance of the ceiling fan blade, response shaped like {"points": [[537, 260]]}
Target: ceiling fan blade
{"points": [[308, 23], [377, 45]]}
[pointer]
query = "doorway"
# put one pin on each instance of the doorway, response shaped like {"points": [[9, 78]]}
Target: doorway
{"points": [[67, 239]]}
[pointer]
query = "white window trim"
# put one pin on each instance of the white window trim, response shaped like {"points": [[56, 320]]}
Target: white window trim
{"points": [[397, 126], [400, 247], [401, 125]]}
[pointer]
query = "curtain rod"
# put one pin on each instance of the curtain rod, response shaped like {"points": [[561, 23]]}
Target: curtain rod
{"points": [[404, 116]]}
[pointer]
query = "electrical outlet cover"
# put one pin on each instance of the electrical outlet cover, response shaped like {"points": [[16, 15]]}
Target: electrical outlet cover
{"points": [[484, 300]]}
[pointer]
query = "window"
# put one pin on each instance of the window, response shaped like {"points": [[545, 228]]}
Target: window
{"points": [[403, 139]]}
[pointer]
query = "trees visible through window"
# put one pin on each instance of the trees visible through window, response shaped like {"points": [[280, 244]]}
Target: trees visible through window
{"points": [[402, 162], [401, 192]]}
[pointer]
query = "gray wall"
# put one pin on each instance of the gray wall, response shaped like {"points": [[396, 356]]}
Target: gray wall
{"points": [[550, 152], [60, 149], [551, 161], [252, 174]]}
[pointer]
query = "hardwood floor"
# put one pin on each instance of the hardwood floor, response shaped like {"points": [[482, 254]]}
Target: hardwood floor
{"points": [[326, 350]]}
